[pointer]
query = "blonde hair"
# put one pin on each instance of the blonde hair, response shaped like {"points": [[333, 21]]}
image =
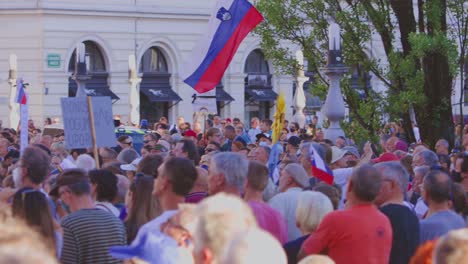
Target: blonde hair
{"points": [[311, 209], [252, 247], [221, 217]]}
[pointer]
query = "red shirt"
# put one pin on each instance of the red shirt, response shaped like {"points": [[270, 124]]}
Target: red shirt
{"points": [[359, 235], [270, 220]]}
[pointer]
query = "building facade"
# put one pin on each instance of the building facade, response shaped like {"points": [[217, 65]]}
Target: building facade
{"points": [[160, 33]]}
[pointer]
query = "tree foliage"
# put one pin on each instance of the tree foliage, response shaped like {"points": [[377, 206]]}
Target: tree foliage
{"points": [[413, 57]]}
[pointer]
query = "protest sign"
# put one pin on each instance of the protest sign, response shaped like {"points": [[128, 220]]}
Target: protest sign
{"points": [[77, 123]]}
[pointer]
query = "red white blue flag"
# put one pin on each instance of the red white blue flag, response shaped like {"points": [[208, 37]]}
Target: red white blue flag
{"points": [[319, 169], [231, 21], [21, 97]]}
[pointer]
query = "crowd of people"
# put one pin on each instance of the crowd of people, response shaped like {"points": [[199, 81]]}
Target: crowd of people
{"points": [[223, 194]]}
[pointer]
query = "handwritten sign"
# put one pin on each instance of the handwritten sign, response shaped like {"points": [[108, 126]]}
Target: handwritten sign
{"points": [[77, 124]]}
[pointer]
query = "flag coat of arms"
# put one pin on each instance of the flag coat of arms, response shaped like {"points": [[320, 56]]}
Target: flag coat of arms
{"points": [[230, 22], [319, 169], [21, 97]]}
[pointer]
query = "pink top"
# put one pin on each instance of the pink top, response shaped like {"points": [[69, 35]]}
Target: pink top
{"points": [[270, 220]]}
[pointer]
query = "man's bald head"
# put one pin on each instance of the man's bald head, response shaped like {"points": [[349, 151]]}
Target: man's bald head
{"points": [[437, 186]]}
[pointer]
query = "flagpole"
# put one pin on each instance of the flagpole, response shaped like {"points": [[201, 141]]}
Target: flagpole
{"points": [[93, 131]]}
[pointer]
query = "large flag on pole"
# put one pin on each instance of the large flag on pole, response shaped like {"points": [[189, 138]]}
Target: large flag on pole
{"points": [[319, 169], [22, 99], [230, 22]]}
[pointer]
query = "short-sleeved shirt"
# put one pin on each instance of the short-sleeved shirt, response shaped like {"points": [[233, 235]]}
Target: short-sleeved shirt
{"points": [[405, 226], [270, 220], [440, 224], [286, 203], [358, 235], [88, 234]]}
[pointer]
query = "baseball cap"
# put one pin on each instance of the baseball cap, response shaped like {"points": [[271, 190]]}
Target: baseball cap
{"points": [[69, 177], [386, 157], [298, 173], [132, 166], [263, 135], [152, 248], [294, 141], [337, 154], [352, 150], [190, 133]]}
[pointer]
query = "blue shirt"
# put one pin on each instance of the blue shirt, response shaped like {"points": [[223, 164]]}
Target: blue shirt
{"points": [[440, 224]]}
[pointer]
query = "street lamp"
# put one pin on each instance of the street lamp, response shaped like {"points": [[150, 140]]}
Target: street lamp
{"points": [[334, 107]]}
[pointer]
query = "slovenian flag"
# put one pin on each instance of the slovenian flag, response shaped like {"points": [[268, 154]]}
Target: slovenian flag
{"points": [[319, 169], [21, 97], [230, 23]]}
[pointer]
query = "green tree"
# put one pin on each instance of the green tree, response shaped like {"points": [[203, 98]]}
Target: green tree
{"points": [[416, 60]]}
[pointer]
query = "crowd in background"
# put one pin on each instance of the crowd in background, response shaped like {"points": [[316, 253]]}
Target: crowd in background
{"points": [[215, 194]]}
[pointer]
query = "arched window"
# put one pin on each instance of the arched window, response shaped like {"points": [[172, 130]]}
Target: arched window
{"points": [[153, 60], [156, 94], [96, 70], [259, 94], [94, 58], [360, 80]]}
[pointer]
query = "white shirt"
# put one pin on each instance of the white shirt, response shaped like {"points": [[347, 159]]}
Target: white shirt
{"points": [[341, 177], [286, 204], [154, 226], [106, 206], [420, 208], [252, 134]]}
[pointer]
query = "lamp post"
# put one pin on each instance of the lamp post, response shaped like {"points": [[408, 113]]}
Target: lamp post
{"points": [[334, 108], [81, 72], [299, 97], [134, 81], [12, 78]]}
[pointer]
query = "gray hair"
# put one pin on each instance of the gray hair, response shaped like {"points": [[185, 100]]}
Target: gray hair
{"points": [[394, 171], [421, 169], [366, 181], [444, 142], [311, 209], [126, 156], [430, 158], [452, 248], [234, 166]]}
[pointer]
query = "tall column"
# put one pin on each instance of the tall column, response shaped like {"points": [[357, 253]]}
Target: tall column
{"points": [[134, 81], [334, 108], [14, 116], [299, 96]]}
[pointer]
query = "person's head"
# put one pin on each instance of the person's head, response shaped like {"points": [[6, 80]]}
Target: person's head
{"points": [[316, 259], [221, 218], [33, 208], [126, 156], [339, 158], [305, 158], [419, 173], [34, 167], [108, 155], [85, 162], [186, 149], [331, 191], [46, 140], [239, 130], [444, 161], [59, 149], [176, 177], [437, 187], [265, 125], [216, 120], [149, 165], [394, 182], [141, 207], [293, 175], [254, 122], [72, 185], [146, 150], [340, 142], [252, 247], [227, 173], [452, 248], [257, 177], [4, 144], [125, 142], [364, 184], [229, 132], [150, 139], [103, 185], [21, 244], [260, 154], [425, 158], [311, 209], [212, 146], [442, 147]]}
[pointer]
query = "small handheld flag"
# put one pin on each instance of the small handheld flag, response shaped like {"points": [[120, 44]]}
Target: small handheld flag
{"points": [[230, 22], [319, 169], [21, 97]]}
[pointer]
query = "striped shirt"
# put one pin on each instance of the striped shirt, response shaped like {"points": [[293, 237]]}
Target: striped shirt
{"points": [[88, 234]]}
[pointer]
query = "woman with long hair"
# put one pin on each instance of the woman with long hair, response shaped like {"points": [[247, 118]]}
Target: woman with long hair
{"points": [[141, 206], [33, 208]]}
